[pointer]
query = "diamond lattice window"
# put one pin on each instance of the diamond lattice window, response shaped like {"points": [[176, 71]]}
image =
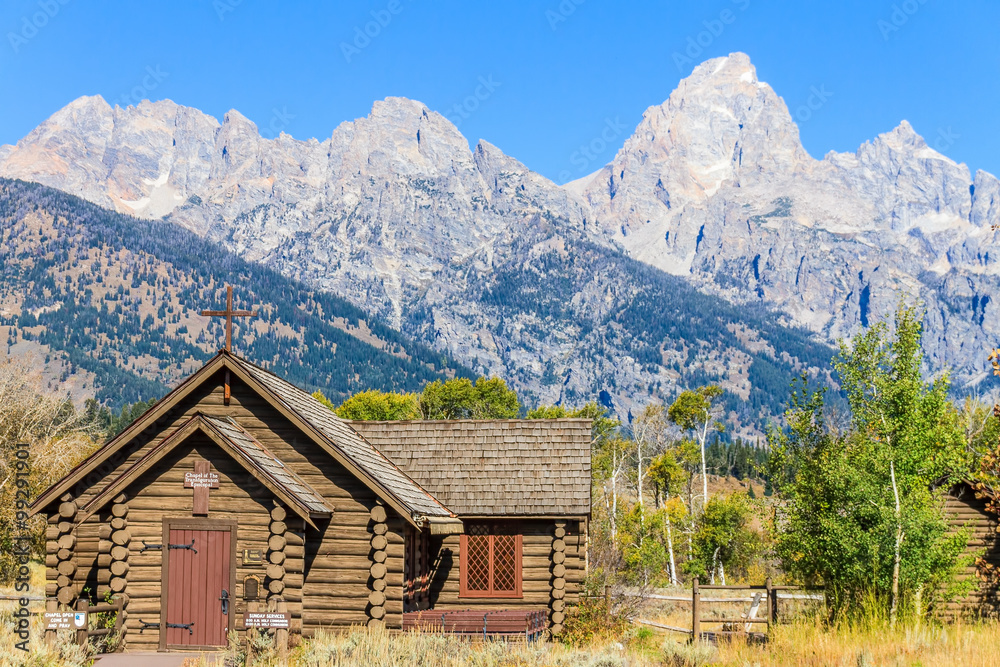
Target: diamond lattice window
{"points": [[491, 561]]}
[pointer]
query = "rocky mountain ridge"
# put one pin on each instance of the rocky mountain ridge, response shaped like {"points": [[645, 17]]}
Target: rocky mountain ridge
{"points": [[395, 213]]}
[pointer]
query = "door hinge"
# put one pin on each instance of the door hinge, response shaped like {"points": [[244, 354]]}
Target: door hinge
{"points": [[183, 546]]}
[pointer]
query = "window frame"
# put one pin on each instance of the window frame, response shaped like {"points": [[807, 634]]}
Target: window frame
{"points": [[463, 560]]}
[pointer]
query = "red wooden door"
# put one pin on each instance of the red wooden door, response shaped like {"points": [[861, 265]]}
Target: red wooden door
{"points": [[196, 579]]}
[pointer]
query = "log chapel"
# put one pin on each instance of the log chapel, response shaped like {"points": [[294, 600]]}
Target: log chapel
{"points": [[238, 488]]}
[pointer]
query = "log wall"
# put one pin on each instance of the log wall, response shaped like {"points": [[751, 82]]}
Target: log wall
{"points": [[966, 511]]}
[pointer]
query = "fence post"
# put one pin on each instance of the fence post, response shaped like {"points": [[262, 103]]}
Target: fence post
{"points": [[81, 635], [50, 635], [607, 600], [695, 612], [281, 635], [772, 603]]}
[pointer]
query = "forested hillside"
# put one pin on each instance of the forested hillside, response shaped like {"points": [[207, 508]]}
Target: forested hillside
{"points": [[110, 304]]}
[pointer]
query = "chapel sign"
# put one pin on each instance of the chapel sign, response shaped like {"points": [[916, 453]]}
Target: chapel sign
{"points": [[201, 480]]}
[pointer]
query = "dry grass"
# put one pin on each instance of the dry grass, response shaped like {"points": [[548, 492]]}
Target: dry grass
{"points": [[805, 644]]}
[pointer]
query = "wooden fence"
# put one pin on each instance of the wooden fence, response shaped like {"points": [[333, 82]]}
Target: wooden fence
{"points": [[766, 593]]}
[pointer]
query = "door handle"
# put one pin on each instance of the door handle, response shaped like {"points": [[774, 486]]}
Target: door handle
{"points": [[225, 602]]}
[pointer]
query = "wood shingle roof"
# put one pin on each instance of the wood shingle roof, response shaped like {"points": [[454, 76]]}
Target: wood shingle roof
{"points": [[492, 467]]}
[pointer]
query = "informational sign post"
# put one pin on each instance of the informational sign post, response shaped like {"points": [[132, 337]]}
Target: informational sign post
{"points": [[267, 619]]}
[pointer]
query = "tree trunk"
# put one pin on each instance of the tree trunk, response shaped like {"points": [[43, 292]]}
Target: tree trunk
{"points": [[614, 503], [894, 603], [704, 469], [670, 549]]}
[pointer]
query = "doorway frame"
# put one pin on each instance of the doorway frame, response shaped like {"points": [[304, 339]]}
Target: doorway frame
{"points": [[190, 523]]}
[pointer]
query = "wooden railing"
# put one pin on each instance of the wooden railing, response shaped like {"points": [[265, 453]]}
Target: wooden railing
{"points": [[84, 634]]}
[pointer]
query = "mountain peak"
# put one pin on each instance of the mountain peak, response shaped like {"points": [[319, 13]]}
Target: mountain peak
{"points": [[736, 67]]}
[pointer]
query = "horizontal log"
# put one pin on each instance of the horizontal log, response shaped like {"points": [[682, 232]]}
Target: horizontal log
{"points": [[64, 554], [67, 510], [67, 541], [379, 556], [379, 542], [275, 586], [119, 552], [294, 564], [117, 584], [560, 532], [377, 570], [376, 598], [104, 560], [559, 571], [353, 591], [140, 591], [278, 527], [121, 537], [51, 590], [278, 513], [51, 560], [51, 533], [63, 580], [119, 568], [377, 612], [294, 551], [275, 571], [292, 580], [378, 514], [558, 545], [276, 542], [558, 593], [558, 557], [118, 523], [119, 510], [66, 567], [276, 557], [380, 529]]}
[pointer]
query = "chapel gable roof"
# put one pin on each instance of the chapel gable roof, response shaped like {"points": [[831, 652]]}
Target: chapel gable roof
{"points": [[330, 432], [244, 449], [531, 467]]}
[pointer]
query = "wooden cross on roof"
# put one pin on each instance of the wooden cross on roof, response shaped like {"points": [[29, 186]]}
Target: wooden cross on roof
{"points": [[229, 314]]}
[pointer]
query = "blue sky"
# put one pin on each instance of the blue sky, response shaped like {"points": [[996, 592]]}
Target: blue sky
{"points": [[551, 76]]}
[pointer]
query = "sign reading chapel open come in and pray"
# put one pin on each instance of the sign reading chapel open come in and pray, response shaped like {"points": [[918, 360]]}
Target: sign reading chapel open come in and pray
{"points": [[65, 620]]}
